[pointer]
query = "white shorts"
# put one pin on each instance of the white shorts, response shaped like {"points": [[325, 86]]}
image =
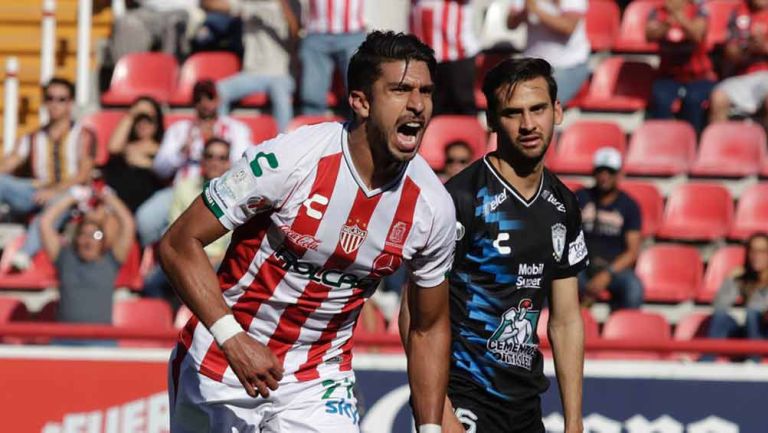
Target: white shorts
{"points": [[203, 405], [746, 92]]}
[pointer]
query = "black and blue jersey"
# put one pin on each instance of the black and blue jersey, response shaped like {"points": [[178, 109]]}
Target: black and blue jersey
{"points": [[508, 252]]}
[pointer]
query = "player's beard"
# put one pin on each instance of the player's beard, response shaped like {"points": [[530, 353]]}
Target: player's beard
{"points": [[524, 163]]}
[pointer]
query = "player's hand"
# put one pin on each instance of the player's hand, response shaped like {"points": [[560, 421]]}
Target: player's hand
{"points": [[257, 368], [599, 283], [451, 423]]}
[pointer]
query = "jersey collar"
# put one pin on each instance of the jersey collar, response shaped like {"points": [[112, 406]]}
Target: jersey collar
{"points": [[510, 188], [351, 166]]}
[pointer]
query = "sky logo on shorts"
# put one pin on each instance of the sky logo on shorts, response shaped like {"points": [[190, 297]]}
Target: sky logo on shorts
{"points": [[343, 408]]}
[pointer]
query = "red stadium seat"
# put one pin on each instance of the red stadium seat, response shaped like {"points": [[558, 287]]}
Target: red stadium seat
{"points": [[39, 276], [573, 184], [730, 149], [49, 312], [697, 212], [129, 275], [379, 328], [694, 325], [619, 85], [635, 325], [721, 265], [12, 310], [578, 144], [483, 63], [263, 126], [632, 31], [214, 65], [661, 148], [137, 74], [443, 130], [142, 314], [258, 99], [719, 13], [670, 273], [304, 120], [182, 317], [103, 123], [602, 22], [591, 327], [650, 201], [751, 212]]}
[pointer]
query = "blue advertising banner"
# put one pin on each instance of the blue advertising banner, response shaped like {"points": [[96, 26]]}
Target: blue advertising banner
{"points": [[619, 397]]}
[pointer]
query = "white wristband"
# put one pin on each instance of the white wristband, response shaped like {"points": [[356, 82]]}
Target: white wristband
{"points": [[430, 428], [225, 328]]}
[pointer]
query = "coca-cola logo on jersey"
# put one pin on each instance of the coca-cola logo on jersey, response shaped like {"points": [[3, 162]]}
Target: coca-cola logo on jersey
{"points": [[300, 240]]}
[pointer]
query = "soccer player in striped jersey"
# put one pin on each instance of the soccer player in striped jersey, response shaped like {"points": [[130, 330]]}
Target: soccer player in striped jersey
{"points": [[520, 245], [319, 215]]}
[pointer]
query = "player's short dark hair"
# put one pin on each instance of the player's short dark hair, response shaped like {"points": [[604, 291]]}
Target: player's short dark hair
{"points": [[509, 72], [380, 47], [58, 81], [214, 140]]}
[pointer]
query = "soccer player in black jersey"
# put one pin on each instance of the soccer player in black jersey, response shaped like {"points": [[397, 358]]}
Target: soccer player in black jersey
{"points": [[519, 246]]}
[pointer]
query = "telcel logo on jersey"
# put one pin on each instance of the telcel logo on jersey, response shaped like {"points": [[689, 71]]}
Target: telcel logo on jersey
{"points": [[511, 342], [495, 202], [529, 275], [329, 277]]}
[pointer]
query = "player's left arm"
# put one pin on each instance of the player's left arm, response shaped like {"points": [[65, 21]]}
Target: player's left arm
{"points": [[566, 335]]}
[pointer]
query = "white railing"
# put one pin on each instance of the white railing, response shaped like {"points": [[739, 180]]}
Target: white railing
{"points": [[84, 10], [47, 48], [11, 104]]}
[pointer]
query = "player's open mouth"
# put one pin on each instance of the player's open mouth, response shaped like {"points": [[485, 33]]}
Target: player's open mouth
{"points": [[408, 133]]}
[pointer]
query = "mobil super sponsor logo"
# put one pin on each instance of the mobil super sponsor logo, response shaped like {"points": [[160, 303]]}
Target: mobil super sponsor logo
{"points": [[529, 275]]}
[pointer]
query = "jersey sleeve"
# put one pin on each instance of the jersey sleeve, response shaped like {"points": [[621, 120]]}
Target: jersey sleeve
{"points": [[431, 264], [634, 219], [259, 182], [464, 207], [575, 258]]}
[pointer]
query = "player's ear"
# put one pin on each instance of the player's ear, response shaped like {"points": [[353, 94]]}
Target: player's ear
{"points": [[558, 108], [359, 103]]}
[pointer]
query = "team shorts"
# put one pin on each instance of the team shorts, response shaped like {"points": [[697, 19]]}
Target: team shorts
{"points": [[481, 412], [203, 405], [746, 92]]}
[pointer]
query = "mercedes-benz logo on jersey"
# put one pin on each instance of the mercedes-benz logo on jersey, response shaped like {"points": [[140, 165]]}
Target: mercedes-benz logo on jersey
{"points": [[558, 240], [351, 237], [385, 264], [512, 341]]}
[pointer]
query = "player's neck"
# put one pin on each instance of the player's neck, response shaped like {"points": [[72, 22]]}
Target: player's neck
{"points": [[525, 178], [374, 170]]}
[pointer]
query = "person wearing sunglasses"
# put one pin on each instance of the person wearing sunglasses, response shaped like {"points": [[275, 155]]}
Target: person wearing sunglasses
{"points": [[88, 264], [458, 155], [50, 159], [214, 163]]}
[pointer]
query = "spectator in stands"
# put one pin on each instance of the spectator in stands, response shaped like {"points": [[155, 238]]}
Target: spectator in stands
{"points": [[88, 265], [180, 154], [556, 33], [446, 26], [151, 23], [50, 160], [271, 30], [215, 161], [746, 50], [750, 284], [458, 155], [685, 71], [611, 220], [221, 29], [333, 32], [132, 150]]}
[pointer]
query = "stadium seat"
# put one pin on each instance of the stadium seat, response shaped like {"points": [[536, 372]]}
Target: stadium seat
{"points": [[310, 119], [670, 273], [718, 14], [573, 184], [730, 149], [379, 328], [138, 74], [483, 63], [694, 325], [577, 145], [631, 37], [697, 212], [443, 130], [661, 148], [262, 126], [102, 123], [619, 85], [182, 317], [214, 65], [751, 212], [142, 314], [649, 200], [591, 327], [39, 276], [602, 24], [12, 310], [722, 264], [128, 276], [635, 325], [258, 99], [49, 312]]}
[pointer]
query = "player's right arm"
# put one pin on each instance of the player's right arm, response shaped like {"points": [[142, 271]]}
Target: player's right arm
{"points": [[187, 267]]}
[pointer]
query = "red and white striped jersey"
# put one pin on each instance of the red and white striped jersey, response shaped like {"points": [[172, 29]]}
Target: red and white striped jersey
{"points": [[446, 26], [310, 244], [336, 16]]}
